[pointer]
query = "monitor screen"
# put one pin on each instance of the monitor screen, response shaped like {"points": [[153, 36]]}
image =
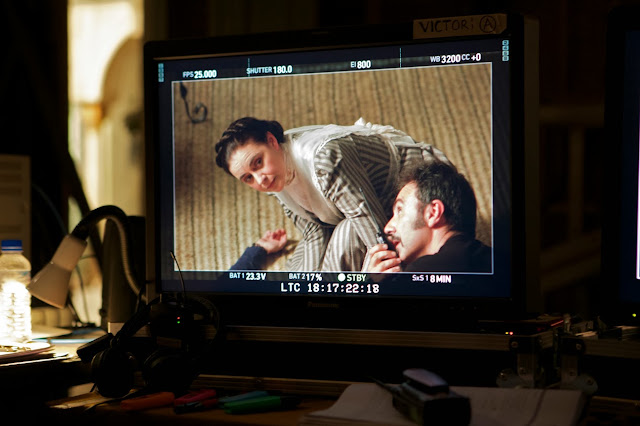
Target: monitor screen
{"points": [[621, 213], [320, 130]]}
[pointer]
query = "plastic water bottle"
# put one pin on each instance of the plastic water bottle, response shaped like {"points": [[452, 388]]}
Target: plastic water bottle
{"points": [[15, 299]]}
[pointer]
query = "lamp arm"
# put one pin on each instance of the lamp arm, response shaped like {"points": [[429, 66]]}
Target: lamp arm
{"points": [[82, 229]]}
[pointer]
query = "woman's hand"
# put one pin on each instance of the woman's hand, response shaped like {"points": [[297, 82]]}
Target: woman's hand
{"points": [[273, 241]]}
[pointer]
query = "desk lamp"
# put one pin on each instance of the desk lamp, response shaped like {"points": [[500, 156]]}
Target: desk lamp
{"points": [[51, 284]]}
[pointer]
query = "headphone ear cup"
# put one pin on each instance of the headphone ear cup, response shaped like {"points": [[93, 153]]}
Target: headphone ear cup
{"points": [[169, 370], [112, 371]]}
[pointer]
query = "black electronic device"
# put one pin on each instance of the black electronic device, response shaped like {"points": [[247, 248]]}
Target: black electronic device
{"points": [[380, 237], [620, 282], [425, 398], [169, 352], [466, 85]]}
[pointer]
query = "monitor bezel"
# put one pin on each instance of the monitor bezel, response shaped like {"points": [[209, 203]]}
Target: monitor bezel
{"points": [[619, 222], [377, 313]]}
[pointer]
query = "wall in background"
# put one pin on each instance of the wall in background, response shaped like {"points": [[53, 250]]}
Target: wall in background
{"points": [[572, 64]]}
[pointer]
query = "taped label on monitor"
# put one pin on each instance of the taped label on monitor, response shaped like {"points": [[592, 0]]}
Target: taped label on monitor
{"points": [[459, 26]]}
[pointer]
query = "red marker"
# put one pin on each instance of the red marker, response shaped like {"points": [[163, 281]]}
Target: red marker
{"points": [[195, 396], [196, 401], [144, 402]]}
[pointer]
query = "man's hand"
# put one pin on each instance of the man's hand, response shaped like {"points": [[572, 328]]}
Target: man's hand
{"points": [[273, 241], [380, 259]]}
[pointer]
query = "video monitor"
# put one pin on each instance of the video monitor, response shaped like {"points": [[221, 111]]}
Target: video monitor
{"points": [[621, 211], [356, 109]]}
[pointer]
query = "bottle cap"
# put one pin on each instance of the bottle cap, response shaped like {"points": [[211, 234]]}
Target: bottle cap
{"points": [[11, 245]]}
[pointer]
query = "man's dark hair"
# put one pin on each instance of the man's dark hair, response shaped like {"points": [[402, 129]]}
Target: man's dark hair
{"points": [[239, 132], [440, 181]]}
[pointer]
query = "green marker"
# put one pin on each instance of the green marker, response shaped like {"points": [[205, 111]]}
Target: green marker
{"points": [[264, 403]]}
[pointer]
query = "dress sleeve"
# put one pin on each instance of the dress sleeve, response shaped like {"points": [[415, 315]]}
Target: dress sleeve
{"points": [[340, 175], [309, 252]]}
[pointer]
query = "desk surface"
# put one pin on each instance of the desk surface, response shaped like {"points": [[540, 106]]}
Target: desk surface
{"points": [[72, 411], [61, 360], [29, 384], [111, 414]]}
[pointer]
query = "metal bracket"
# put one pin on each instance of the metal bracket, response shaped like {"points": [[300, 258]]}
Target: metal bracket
{"points": [[571, 351], [529, 369]]}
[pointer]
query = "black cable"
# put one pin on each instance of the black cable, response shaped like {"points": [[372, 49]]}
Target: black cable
{"points": [[198, 108], [82, 229], [52, 207], [184, 290]]}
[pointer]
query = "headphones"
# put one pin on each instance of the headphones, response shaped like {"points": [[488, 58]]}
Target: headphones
{"points": [[181, 334]]}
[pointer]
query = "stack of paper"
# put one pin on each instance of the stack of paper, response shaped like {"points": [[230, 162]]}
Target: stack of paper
{"points": [[14, 352], [368, 404]]}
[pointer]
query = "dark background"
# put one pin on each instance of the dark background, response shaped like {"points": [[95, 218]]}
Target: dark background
{"points": [[34, 82]]}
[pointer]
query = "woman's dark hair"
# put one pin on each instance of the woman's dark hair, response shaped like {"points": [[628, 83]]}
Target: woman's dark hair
{"points": [[440, 181], [242, 130]]}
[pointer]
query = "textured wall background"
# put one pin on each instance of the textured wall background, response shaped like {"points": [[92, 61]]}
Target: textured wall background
{"points": [[217, 216]]}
